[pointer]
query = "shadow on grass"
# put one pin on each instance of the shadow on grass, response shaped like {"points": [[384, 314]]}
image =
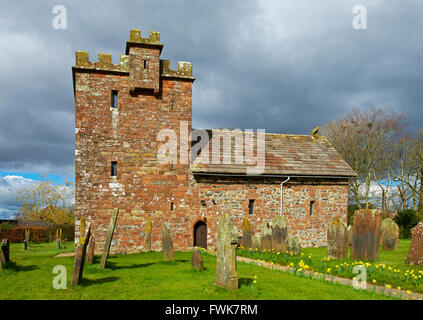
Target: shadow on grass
{"points": [[18, 268], [245, 282], [113, 266], [173, 262], [88, 282]]}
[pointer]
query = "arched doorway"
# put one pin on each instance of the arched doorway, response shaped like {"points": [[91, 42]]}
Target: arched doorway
{"points": [[200, 234]]}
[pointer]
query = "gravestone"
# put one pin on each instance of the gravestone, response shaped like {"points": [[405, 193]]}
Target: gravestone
{"points": [[349, 231], [59, 237], [266, 235], [279, 234], [226, 243], [148, 226], [5, 247], [27, 237], [415, 254], [2, 260], [90, 252], [167, 242], [294, 245], [337, 239], [247, 234], [256, 242], [109, 238], [196, 259], [366, 235], [389, 235], [81, 250]]}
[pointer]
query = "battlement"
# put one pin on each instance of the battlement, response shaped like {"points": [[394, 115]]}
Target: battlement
{"points": [[137, 42], [104, 62], [184, 70], [135, 39]]}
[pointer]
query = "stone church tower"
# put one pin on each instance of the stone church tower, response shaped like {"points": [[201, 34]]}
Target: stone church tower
{"points": [[119, 112]]}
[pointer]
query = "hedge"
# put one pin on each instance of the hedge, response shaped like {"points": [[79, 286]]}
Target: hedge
{"points": [[38, 234]]}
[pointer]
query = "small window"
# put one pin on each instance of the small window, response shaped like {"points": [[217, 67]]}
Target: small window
{"points": [[251, 207], [203, 203], [171, 165], [114, 99], [172, 104], [145, 64], [114, 169], [214, 202], [171, 206], [311, 208]]}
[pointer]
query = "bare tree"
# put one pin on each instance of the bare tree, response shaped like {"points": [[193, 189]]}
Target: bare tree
{"points": [[365, 139]]}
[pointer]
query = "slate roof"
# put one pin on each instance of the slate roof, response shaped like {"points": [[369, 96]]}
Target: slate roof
{"points": [[285, 154]]}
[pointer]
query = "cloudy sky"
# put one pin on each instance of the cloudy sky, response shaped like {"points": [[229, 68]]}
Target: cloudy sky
{"points": [[284, 65]]}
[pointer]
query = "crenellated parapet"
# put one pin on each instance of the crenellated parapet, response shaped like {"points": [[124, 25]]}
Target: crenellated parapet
{"points": [[135, 39], [104, 62], [141, 63], [184, 70]]}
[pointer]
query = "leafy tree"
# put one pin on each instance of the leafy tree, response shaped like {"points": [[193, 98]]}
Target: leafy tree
{"points": [[47, 202], [407, 220]]}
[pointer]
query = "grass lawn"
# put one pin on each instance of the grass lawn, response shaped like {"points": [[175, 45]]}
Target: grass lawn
{"points": [[388, 269], [146, 276]]}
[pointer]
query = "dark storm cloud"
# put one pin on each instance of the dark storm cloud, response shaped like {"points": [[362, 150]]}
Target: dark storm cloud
{"points": [[285, 66]]}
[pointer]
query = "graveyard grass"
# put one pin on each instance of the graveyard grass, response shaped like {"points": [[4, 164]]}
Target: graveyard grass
{"points": [[147, 276]]}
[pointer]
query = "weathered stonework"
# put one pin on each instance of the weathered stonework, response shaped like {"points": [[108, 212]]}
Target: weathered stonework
{"points": [[152, 97], [415, 255], [366, 235], [226, 242], [167, 242], [90, 252], [294, 245], [5, 247], [148, 227], [266, 235], [389, 234], [279, 234], [338, 239], [196, 259], [247, 234], [257, 242]]}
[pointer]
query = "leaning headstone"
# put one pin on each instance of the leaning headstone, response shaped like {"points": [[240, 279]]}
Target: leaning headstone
{"points": [[81, 250], [167, 242], [247, 234], [226, 243], [6, 249], [148, 226], [390, 234], [294, 245], [256, 242], [366, 235], [90, 252], [279, 233], [196, 259], [415, 254], [349, 231], [266, 235], [109, 238], [337, 239]]}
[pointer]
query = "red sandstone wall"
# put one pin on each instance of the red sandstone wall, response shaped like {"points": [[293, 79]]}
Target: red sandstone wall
{"points": [[144, 187]]}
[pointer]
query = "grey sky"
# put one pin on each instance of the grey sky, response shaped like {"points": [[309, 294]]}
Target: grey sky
{"points": [[285, 66]]}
